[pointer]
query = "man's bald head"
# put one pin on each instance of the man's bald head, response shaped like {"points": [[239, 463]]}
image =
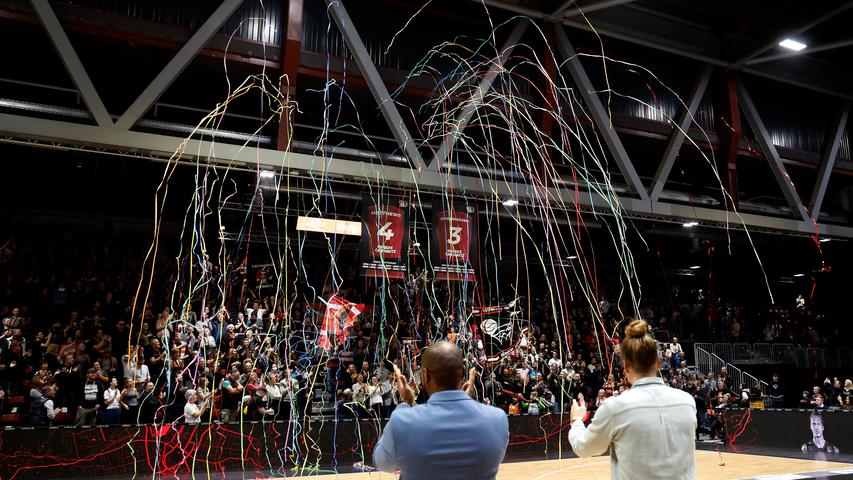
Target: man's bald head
{"points": [[444, 362]]}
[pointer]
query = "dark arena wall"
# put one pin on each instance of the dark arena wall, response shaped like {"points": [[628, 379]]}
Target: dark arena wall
{"points": [[258, 449]]}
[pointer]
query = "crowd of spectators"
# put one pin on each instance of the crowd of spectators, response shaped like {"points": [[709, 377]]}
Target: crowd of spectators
{"points": [[833, 393], [79, 346]]}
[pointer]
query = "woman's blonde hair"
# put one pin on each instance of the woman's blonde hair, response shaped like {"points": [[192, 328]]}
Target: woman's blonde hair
{"points": [[639, 349]]}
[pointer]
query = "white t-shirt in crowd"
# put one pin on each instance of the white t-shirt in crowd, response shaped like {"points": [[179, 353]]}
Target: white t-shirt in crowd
{"points": [[191, 413], [48, 404], [375, 395], [115, 395], [142, 374]]}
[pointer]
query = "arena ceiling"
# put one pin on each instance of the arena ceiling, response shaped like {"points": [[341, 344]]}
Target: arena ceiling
{"points": [[154, 69]]}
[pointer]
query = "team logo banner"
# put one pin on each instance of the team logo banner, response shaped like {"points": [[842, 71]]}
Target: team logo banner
{"points": [[454, 246], [384, 239], [339, 317], [498, 329]]}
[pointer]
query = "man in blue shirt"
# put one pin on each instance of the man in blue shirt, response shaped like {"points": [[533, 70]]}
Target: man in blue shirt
{"points": [[452, 436]]}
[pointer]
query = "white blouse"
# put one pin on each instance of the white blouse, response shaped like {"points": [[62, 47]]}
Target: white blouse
{"points": [[650, 430]]}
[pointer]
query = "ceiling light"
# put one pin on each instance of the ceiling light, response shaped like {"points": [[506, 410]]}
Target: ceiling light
{"points": [[792, 44], [510, 202], [695, 267], [267, 174], [689, 224], [824, 240], [416, 244], [572, 257], [799, 274]]}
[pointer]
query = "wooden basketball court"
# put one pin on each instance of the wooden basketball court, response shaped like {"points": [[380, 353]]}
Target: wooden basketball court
{"points": [[709, 466]]}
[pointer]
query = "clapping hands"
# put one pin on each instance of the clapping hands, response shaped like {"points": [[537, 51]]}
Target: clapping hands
{"points": [[407, 394], [578, 409]]}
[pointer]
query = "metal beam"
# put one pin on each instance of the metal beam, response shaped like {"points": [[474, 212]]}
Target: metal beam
{"points": [[770, 152], [798, 31], [476, 99], [374, 82], [72, 62], [109, 139], [594, 7], [291, 46], [562, 8], [727, 120], [679, 132], [661, 45], [808, 50], [827, 162], [175, 66], [598, 113]]}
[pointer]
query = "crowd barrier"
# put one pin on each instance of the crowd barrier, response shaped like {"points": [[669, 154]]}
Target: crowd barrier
{"points": [[259, 449]]}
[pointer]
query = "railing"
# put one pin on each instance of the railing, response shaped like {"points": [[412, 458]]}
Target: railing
{"points": [[766, 353], [711, 362], [784, 353], [724, 351]]}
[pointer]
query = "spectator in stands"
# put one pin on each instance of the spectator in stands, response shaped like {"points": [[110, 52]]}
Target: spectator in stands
{"points": [[192, 410], [833, 393], [555, 361], [677, 353], [259, 405], [150, 402], [376, 402], [42, 410], [776, 393], [360, 393], [847, 391], [710, 384], [112, 401], [232, 394], [724, 377], [130, 401], [68, 378], [806, 400], [734, 329], [598, 400], [817, 394], [91, 395]]}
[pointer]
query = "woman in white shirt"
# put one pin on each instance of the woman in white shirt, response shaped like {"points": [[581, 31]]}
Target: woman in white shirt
{"points": [[375, 392], [193, 411], [650, 429], [359, 395]]}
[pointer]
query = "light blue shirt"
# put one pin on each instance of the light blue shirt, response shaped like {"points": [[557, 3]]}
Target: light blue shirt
{"points": [[449, 437]]}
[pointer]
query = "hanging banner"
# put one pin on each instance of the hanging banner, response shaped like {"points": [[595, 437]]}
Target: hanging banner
{"points": [[497, 330], [454, 246], [339, 317], [384, 238]]}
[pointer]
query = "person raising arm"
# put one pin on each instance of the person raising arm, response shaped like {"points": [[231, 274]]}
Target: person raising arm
{"points": [[650, 428], [449, 437]]}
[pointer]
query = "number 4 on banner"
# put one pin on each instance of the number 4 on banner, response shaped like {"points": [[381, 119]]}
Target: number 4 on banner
{"points": [[386, 232]]}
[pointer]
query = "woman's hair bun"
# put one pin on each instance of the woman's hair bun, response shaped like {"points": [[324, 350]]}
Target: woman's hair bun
{"points": [[636, 329]]}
